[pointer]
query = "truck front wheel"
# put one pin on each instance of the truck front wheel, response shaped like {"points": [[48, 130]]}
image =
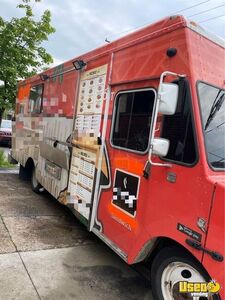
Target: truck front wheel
{"points": [[171, 266]]}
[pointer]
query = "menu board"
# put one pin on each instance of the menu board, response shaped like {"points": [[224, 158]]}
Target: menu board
{"points": [[90, 100], [81, 179], [86, 122], [87, 129]]}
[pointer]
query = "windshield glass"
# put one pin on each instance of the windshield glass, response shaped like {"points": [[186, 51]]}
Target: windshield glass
{"points": [[6, 124], [212, 104]]}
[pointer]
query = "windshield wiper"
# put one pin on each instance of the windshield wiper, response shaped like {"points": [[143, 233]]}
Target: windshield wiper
{"points": [[218, 102], [218, 164]]}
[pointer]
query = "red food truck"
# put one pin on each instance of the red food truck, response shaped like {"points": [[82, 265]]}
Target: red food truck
{"points": [[130, 136]]}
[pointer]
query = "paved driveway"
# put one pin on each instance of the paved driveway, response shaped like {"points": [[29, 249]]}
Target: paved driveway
{"points": [[45, 253]]}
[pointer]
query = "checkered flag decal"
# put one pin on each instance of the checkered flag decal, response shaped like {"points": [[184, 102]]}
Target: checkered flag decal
{"points": [[125, 191], [129, 200]]}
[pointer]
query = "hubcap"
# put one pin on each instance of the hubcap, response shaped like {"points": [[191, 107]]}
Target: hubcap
{"points": [[173, 274]]}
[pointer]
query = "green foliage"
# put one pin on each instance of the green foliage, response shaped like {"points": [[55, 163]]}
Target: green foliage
{"points": [[21, 51], [4, 162]]}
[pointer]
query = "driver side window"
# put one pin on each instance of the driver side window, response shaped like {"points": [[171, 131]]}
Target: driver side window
{"points": [[132, 119]]}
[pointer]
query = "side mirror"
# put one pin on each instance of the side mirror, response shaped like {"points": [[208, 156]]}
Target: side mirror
{"points": [[160, 146], [168, 95]]}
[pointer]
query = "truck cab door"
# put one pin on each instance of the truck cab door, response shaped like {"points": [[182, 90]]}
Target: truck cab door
{"points": [[126, 152], [130, 142]]}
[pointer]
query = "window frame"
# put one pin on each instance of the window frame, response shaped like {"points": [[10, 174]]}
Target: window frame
{"points": [[114, 118], [42, 95], [194, 133], [202, 128]]}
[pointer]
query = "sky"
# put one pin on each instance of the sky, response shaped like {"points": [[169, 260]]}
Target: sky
{"points": [[82, 25]]}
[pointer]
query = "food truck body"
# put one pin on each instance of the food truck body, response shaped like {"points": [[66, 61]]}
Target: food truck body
{"points": [[130, 136]]}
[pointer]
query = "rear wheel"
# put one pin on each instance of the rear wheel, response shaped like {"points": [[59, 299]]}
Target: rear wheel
{"points": [[35, 185], [171, 266], [23, 173]]}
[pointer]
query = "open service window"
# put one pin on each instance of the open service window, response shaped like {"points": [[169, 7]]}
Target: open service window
{"points": [[132, 120], [36, 99]]}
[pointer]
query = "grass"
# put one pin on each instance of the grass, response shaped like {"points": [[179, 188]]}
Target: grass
{"points": [[4, 162]]}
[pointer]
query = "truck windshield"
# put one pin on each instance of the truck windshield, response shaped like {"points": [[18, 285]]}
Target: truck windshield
{"points": [[212, 104]]}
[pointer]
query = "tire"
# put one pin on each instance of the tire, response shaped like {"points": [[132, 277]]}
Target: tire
{"points": [[35, 185], [24, 174], [170, 266]]}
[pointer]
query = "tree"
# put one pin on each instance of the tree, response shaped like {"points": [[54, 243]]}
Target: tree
{"points": [[21, 51]]}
